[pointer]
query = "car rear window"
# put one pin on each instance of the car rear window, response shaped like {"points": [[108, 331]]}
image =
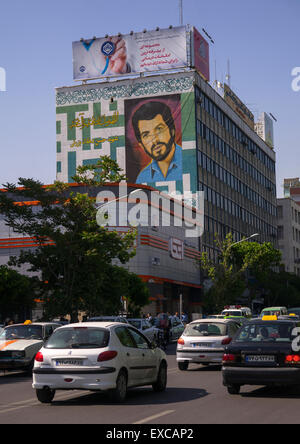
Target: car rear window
{"points": [[205, 329], [266, 332], [79, 337]]}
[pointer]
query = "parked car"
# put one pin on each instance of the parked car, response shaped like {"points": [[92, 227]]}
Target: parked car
{"points": [[98, 356], [19, 344], [203, 341], [145, 327], [262, 354], [108, 319]]}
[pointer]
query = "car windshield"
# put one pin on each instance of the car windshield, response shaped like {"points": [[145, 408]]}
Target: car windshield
{"points": [[78, 337], [135, 323], [22, 332], [205, 329], [266, 332], [232, 313]]}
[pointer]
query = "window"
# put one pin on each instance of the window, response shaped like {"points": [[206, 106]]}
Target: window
{"points": [[78, 337], [125, 337], [140, 340]]}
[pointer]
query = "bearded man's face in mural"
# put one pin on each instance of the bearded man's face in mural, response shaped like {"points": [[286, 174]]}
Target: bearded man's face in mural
{"points": [[156, 138]]}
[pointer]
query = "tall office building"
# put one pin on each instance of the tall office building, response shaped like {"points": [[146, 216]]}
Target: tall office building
{"points": [[215, 146], [289, 233]]}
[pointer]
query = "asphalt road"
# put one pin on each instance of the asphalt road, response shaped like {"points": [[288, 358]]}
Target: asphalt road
{"points": [[193, 397]]}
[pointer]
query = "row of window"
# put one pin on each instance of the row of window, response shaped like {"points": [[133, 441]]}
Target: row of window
{"points": [[212, 109], [296, 215], [233, 156], [213, 226], [235, 210], [212, 167]]}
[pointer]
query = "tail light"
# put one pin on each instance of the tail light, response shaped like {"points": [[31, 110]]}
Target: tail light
{"points": [[39, 357], [107, 356], [292, 359], [180, 341], [228, 358], [226, 341]]}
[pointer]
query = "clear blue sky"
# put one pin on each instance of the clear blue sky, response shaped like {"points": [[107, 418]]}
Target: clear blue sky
{"points": [[261, 39]]}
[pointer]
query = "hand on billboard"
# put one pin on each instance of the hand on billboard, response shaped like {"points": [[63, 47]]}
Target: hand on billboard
{"points": [[118, 60]]}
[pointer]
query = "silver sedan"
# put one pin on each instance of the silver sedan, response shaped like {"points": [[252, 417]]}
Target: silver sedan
{"points": [[203, 342]]}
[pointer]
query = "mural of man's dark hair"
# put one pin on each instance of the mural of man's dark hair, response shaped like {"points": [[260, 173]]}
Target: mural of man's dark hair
{"points": [[149, 111]]}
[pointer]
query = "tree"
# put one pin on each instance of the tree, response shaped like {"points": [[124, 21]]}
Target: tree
{"points": [[137, 294], [261, 260], [228, 281], [73, 255], [228, 275], [16, 293]]}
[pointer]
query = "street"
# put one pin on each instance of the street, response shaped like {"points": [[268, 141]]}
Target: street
{"points": [[193, 397]]}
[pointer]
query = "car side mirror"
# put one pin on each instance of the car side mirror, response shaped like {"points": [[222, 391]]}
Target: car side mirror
{"points": [[153, 345]]}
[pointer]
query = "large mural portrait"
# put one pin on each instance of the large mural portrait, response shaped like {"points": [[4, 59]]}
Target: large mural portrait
{"points": [[154, 132], [153, 139]]}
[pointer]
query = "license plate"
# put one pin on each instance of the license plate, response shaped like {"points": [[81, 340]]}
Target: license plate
{"points": [[260, 358], [69, 362], [201, 344]]}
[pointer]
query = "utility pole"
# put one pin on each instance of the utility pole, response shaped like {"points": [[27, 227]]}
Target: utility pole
{"points": [[180, 13]]}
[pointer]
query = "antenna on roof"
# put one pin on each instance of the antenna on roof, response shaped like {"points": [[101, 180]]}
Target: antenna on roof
{"points": [[180, 13], [206, 33], [274, 118], [228, 75]]}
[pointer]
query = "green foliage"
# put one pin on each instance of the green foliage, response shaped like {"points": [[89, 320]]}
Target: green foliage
{"points": [[137, 294], [16, 292], [229, 274], [74, 256], [228, 280]]}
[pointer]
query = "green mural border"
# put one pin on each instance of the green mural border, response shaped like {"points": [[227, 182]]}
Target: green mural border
{"points": [[138, 90]]}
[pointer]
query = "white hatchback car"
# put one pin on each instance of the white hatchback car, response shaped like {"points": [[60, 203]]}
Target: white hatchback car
{"points": [[145, 327], [98, 356], [203, 341]]}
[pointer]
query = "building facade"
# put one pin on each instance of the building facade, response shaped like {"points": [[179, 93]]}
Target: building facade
{"points": [[166, 258], [219, 153], [289, 233]]}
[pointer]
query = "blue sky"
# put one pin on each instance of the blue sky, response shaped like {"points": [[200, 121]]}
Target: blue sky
{"points": [[261, 39]]}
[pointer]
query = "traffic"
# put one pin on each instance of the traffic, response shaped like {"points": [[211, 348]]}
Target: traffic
{"points": [[112, 354]]}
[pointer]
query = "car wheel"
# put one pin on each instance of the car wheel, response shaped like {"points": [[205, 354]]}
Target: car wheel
{"points": [[183, 366], [29, 369], [161, 382], [120, 392], [45, 395], [234, 389]]}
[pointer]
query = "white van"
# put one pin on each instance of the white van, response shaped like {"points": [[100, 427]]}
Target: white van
{"points": [[237, 311]]}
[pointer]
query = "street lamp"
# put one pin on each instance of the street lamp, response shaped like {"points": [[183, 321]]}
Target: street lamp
{"points": [[244, 240]]}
